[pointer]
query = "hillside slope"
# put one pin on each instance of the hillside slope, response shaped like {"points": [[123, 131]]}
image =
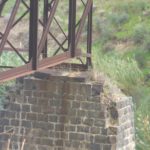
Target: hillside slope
{"points": [[122, 51]]}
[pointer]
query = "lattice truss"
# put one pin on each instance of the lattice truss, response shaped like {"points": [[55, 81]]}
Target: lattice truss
{"points": [[38, 34]]}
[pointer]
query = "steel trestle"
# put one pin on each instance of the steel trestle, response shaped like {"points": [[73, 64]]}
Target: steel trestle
{"points": [[38, 55]]}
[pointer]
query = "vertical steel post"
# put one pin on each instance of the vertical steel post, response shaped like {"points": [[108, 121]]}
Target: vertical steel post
{"points": [[89, 38], [33, 33], [45, 18], [72, 27]]}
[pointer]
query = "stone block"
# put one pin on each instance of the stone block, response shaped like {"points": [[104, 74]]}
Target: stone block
{"points": [[79, 97], [59, 127], [52, 118], [36, 109], [59, 142], [95, 99], [112, 130], [85, 90], [55, 102], [46, 94], [26, 108], [112, 139], [81, 113], [43, 101], [88, 122], [96, 114], [76, 136], [2, 114], [107, 147], [37, 94], [63, 119], [94, 146], [7, 114], [88, 106], [15, 122], [67, 143], [54, 134], [1, 129], [21, 115], [99, 122], [71, 112], [76, 104], [4, 122], [26, 124], [70, 128], [95, 130], [32, 100], [64, 135], [31, 116], [15, 107], [76, 144], [42, 117], [46, 141], [29, 147], [102, 139], [103, 131], [27, 93], [43, 125], [84, 129], [96, 89], [89, 138], [49, 110], [39, 133], [75, 120], [4, 137]]}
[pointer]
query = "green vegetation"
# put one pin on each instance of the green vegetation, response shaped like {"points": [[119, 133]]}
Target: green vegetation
{"points": [[121, 50]]}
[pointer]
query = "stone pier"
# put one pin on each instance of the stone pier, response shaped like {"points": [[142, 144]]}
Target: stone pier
{"points": [[66, 113]]}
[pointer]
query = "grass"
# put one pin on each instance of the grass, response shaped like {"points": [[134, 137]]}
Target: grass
{"points": [[124, 71], [142, 119], [125, 21]]}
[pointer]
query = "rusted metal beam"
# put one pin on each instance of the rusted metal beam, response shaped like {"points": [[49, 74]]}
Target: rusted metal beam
{"points": [[45, 19], [72, 26], [27, 69], [9, 25], [55, 39], [16, 72], [44, 35], [82, 22], [20, 18], [89, 37], [33, 33], [19, 49], [58, 59]]}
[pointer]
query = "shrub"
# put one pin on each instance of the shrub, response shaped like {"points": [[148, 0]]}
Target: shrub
{"points": [[146, 43], [136, 6], [142, 118], [104, 28], [106, 31], [140, 32], [118, 18], [140, 58], [108, 47]]}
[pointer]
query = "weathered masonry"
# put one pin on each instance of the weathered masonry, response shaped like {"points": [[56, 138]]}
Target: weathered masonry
{"points": [[65, 113]]}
